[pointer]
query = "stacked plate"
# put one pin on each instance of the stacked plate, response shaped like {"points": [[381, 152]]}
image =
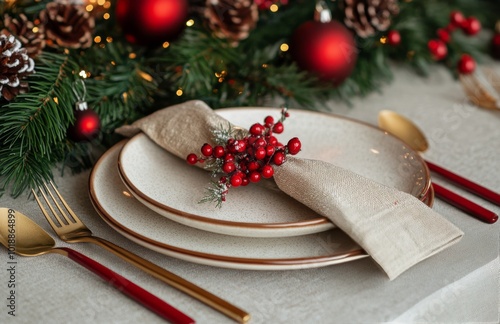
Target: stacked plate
{"points": [[151, 196]]}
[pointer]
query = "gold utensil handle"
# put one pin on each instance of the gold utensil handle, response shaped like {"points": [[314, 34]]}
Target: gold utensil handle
{"points": [[172, 279]]}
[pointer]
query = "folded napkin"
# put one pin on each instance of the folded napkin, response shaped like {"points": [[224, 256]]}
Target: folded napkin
{"points": [[396, 229]]}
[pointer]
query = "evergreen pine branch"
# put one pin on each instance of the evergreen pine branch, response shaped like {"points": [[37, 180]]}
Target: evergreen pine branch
{"points": [[33, 131]]}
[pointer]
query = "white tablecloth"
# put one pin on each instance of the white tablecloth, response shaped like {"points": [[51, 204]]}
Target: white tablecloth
{"points": [[460, 284]]}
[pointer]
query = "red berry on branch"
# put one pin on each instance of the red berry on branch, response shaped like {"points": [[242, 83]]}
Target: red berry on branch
{"points": [[260, 153], [228, 167], [218, 151], [256, 129], [294, 146], [272, 140], [457, 19], [279, 158], [466, 64], [253, 165], [393, 38], [278, 128], [240, 146], [268, 121], [444, 35], [471, 26], [245, 181], [267, 171], [206, 149], [438, 49], [228, 157], [270, 150], [192, 158], [236, 180], [254, 176], [259, 142]]}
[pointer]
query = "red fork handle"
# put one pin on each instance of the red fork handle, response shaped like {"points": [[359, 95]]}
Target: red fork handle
{"points": [[468, 185], [465, 205], [130, 289]]}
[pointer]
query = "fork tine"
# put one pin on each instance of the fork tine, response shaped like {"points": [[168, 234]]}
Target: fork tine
{"points": [[58, 206], [44, 211], [70, 211]]}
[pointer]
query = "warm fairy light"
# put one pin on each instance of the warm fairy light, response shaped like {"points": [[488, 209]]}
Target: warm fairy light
{"points": [[383, 39], [56, 100], [274, 8], [106, 16], [179, 92], [132, 56], [124, 96], [190, 22], [166, 44], [101, 2], [264, 66], [126, 194], [284, 47], [89, 8], [35, 29], [113, 63], [83, 74], [109, 39], [106, 5], [92, 1], [97, 39], [145, 76]]}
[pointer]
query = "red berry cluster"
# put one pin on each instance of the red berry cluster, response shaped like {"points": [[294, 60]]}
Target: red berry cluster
{"points": [[247, 159], [438, 49]]}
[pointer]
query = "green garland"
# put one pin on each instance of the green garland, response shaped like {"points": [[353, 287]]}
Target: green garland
{"points": [[126, 82]]}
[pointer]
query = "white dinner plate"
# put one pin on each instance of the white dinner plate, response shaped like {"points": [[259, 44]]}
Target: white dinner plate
{"points": [[140, 224], [173, 188]]}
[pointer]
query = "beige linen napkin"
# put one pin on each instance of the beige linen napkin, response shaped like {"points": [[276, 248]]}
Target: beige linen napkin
{"points": [[396, 229]]}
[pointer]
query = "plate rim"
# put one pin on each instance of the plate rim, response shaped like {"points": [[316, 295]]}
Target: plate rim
{"points": [[321, 222], [209, 258]]}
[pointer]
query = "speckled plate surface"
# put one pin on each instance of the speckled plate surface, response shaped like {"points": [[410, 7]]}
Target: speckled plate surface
{"points": [[138, 223], [172, 188]]}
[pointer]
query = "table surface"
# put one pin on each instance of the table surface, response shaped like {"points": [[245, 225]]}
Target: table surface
{"points": [[460, 284]]}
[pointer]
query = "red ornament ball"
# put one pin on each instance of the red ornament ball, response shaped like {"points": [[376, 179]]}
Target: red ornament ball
{"points": [[327, 50], [438, 49], [151, 22], [86, 127], [444, 35], [466, 64], [393, 38], [471, 26], [495, 47]]}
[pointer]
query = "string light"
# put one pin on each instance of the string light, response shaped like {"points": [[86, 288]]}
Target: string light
{"points": [[284, 47], [97, 39], [190, 22], [132, 56], [179, 92], [383, 39], [166, 44], [274, 8], [106, 16]]}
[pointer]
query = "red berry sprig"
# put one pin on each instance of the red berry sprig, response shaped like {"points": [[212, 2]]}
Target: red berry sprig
{"points": [[438, 48], [249, 157]]}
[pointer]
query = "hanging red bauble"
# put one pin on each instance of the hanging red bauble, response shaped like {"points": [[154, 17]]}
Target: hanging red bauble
{"points": [[86, 127], [438, 49], [466, 64], [495, 47], [326, 49], [151, 22]]}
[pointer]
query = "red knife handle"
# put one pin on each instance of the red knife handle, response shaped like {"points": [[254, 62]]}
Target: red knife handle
{"points": [[468, 185], [465, 205], [130, 289]]}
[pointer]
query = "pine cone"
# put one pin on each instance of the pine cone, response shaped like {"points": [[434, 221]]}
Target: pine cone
{"points": [[32, 37], [67, 25], [231, 19], [367, 17], [15, 65]]}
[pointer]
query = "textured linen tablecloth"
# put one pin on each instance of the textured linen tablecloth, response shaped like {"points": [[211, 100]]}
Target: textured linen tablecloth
{"points": [[460, 284]]}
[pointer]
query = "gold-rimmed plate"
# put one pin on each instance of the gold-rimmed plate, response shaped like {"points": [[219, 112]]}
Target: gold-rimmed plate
{"points": [[172, 188], [129, 217]]}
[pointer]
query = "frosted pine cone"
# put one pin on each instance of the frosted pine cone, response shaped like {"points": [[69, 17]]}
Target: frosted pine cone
{"points": [[15, 66], [32, 37], [231, 19], [67, 25], [366, 17]]}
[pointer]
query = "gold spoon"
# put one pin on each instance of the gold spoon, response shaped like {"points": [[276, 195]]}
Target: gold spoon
{"points": [[22, 236], [409, 133]]}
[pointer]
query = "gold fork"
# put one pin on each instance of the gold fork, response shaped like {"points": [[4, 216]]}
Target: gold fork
{"points": [[73, 230]]}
